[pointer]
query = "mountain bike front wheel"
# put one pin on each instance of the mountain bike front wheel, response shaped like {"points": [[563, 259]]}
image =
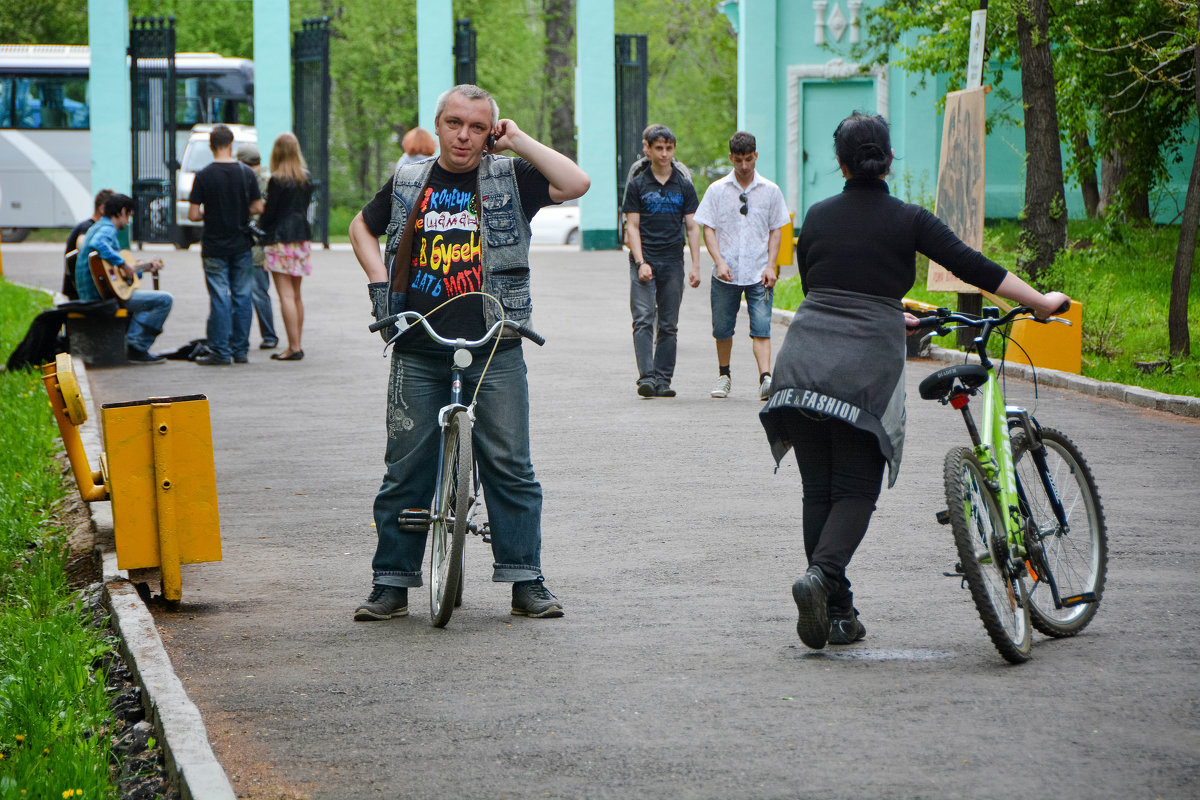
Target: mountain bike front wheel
{"points": [[1072, 554], [449, 526], [978, 525]]}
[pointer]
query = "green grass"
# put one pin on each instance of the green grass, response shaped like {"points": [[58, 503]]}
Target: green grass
{"points": [[1123, 280], [54, 714]]}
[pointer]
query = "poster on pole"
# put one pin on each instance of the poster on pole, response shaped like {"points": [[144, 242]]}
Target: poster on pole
{"points": [[975, 53], [960, 180]]}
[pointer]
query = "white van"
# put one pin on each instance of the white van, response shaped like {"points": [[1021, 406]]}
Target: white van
{"points": [[196, 156]]}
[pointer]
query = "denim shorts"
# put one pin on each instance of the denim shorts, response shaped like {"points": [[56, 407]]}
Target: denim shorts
{"points": [[726, 299]]}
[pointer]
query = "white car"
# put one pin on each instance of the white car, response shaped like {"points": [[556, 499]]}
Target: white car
{"points": [[196, 156], [556, 224]]}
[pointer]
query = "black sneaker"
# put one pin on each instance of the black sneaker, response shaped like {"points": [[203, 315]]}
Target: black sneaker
{"points": [[844, 627], [136, 356], [269, 344], [811, 593], [211, 360], [645, 388], [385, 602], [664, 390], [532, 599], [242, 359]]}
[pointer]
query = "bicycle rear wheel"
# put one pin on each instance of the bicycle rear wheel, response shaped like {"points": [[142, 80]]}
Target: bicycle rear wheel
{"points": [[1074, 555], [450, 521], [978, 526]]}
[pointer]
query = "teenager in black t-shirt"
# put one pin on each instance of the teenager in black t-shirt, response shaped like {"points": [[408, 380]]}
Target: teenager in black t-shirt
{"points": [[658, 206]]}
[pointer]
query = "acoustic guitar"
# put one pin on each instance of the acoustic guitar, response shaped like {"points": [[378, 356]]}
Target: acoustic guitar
{"points": [[111, 281]]}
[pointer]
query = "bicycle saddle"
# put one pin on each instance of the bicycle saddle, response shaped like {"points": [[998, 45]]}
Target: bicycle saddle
{"points": [[939, 384]]}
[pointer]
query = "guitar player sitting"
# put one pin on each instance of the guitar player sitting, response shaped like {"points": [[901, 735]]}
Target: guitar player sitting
{"points": [[148, 308]]}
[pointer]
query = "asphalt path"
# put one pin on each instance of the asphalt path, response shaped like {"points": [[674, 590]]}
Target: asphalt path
{"points": [[672, 543]]}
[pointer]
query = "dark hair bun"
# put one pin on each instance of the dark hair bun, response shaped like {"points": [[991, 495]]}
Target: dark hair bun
{"points": [[863, 144]]}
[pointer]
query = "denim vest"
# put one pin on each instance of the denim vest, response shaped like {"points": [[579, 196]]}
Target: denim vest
{"points": [[503, 235]]}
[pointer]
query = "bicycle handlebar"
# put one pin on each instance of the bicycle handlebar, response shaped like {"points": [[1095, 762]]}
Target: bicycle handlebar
{"points": [[409, 318], [940, 317]]}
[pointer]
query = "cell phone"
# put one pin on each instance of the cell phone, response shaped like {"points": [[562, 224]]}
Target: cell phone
{"points": [[491, 143]]}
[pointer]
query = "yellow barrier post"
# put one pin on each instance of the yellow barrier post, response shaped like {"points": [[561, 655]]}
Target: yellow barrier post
{"points": [[163, 483], [70, 412], [1049, 346], [787, 245]]}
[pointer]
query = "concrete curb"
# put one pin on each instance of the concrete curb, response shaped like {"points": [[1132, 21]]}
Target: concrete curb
{"points": [[1181, 405], [190, 761]]}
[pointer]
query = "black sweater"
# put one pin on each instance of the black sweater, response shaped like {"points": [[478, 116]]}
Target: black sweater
{"points": [[864, 240]]}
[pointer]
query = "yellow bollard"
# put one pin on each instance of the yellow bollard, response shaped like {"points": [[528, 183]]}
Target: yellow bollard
{"points": [[159, 457], [1051, 345], [787, 246], [70, 412]]}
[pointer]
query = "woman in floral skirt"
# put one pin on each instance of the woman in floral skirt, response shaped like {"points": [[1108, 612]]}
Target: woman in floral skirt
{"points": [[285, 225]]}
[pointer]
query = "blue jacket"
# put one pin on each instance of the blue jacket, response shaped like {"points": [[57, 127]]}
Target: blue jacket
{"points": [[101, 237]]}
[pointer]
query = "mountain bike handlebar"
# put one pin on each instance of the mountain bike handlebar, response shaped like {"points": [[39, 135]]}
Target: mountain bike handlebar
{"points": [[407, 319], [991, 318]]}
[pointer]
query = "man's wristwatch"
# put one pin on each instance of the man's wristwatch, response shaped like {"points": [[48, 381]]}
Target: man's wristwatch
{"points": [[638, 263]]}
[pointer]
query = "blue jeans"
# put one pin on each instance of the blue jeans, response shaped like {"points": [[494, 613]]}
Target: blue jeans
{"points": [[726, 299], [148, 310], [418, 386], [262, 304], [655, 308], [230, 282]]}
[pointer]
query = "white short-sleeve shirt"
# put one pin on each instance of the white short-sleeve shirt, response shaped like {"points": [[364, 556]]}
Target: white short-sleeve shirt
{"points": [[742, 238]]}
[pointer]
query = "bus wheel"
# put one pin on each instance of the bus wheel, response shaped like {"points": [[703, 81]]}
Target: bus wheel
{"points": [[13, 235]]}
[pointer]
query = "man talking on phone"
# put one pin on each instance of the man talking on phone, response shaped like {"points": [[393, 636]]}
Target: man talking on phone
{"points": [[457, 225]]}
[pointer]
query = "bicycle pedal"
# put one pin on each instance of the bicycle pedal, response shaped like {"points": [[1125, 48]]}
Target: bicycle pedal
{"points": [[958, 571], [1080, 599], [414, 520], [943, 517]]}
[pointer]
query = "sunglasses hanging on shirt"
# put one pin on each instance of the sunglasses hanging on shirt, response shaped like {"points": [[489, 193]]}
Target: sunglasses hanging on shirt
{"points": [[745, 204]]}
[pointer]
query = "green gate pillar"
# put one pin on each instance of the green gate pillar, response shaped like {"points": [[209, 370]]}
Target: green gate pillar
{"points": [[757, 98], [435, 56], [272, 72], [108, 85], [596, 121]]}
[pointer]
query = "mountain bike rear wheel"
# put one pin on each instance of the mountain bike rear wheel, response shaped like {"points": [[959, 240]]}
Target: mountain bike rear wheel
{"points": [[979, 535], [450, 521], [1075, 556]]}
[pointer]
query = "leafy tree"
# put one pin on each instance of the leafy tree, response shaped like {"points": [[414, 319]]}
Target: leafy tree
{"points": [[693, 69], [44, 22], [221, 26]]}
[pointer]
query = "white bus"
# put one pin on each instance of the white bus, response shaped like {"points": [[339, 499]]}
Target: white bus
{"points": [[45, 148]]}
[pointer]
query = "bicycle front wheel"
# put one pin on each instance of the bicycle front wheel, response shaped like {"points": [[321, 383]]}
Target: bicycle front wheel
{"points": [[450, 521], [1073, 555], [978, 526]]}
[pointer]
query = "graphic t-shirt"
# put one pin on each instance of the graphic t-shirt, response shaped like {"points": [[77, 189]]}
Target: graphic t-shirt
{"points": [[446, 255], [662, 207]]}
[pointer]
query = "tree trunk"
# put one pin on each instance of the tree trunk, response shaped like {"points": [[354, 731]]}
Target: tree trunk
{"points": [[1085, 158], [560, 73], [1116, 191], [1185, 252], [1045, 225]]}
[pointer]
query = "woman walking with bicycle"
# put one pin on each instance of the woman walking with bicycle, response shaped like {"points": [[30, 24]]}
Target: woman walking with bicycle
{"points": [[838, 395]]}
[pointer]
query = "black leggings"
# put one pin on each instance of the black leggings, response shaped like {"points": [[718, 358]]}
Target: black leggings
{"points": [[841, 468]]}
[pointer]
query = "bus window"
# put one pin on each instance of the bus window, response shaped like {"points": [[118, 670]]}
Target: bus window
{"points": [[189, 107], [6, 98], [51, 102]]}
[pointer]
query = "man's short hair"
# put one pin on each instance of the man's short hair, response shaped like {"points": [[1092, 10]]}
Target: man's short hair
{"points": [[114, 205], [742, 143], [471, 92], [220, 137], [657, 133], [102, 198], [248, 154]]}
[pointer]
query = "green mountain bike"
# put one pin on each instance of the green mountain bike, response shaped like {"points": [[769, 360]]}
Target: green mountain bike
{"points": [[1021, 502]]}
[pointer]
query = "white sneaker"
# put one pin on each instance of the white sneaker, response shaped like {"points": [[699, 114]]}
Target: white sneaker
{"points": [[764, 388], [723, 386]]}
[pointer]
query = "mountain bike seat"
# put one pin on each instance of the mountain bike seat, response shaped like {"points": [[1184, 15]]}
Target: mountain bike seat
{"points": [[938, 385]]}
